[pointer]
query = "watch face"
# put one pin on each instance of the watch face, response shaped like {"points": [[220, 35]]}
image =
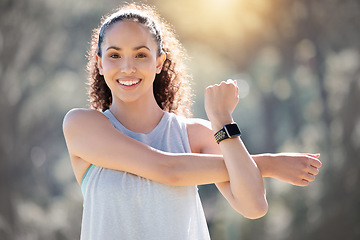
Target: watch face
{"points": [[232, 130]]}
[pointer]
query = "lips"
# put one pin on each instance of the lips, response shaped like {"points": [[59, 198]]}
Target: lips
{"points": [[128, 82]]}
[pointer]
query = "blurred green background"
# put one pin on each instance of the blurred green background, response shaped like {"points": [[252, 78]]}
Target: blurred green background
{"points": [[298, 68]]}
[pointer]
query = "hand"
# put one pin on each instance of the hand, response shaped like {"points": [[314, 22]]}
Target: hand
{"points": [[220, 101], [294, 168]]}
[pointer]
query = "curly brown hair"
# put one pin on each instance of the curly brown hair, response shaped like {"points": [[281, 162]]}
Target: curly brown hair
{"points": [[171, 86]]}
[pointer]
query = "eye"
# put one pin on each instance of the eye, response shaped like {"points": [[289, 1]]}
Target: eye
{"points": [[114, 55], [141, 55]]}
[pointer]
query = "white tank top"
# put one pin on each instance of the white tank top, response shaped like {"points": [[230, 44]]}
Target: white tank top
{"points": [[120, 205]]}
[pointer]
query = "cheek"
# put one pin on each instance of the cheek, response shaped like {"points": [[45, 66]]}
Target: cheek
{"points": [[109, 65], [149, 66]]}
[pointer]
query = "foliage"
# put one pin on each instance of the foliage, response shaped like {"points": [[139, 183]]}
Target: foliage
{"points": [[298, 68]]}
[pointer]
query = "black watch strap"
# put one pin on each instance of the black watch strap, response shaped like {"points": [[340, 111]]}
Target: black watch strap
{"points": [[228, 131]]}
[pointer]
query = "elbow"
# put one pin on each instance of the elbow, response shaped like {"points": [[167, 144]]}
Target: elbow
{"points": [[259, 212], [256, 211]]}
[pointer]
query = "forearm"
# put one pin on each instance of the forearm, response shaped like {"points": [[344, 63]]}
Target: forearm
{"points": [[201, 169], [171, 168], [246, 188], [263, 161], [209, 168], [178, 169], [191, 169], [197, 169], [181, 169]]}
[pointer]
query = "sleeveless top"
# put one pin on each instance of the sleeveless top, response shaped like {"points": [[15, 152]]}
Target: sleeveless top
{"points": [[120, 205]]}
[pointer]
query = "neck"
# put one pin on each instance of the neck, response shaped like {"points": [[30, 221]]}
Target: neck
{"points": [[138, 117]]}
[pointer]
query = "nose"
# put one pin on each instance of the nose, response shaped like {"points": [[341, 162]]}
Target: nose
{"points": [[127, 66]]}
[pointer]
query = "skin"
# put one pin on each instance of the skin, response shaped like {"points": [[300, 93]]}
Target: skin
{"points": [[245, 187], [131, 57], [91, 139]]}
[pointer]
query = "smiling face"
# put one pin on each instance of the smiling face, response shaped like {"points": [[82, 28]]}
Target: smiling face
{"points": [[129, 61]]}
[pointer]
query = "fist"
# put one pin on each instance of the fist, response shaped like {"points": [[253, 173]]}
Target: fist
{"points": [[220, 101]]}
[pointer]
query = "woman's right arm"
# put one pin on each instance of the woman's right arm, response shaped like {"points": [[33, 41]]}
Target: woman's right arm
{"points": [[91, 138]]}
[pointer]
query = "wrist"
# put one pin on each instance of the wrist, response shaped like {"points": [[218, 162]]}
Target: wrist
{"points": [[219, 122], [264, 163], [228, 131]]}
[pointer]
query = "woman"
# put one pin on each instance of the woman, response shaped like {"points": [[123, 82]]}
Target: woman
{"points": [[139, 179]]}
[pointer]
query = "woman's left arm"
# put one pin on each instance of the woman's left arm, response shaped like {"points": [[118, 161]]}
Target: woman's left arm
{"points": [[245, 190]]}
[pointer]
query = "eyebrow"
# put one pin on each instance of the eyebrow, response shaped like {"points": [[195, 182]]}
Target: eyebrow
{"points": [[135, 48]]}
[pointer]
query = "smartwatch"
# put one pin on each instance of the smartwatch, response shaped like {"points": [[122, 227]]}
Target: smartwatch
{"points": [[228, 131]]}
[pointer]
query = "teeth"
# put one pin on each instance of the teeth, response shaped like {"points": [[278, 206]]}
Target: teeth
{"points": [[129, 83]]}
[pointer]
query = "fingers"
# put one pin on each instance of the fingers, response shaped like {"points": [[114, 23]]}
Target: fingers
{"points": [[316, 155], [224, 85], [313, 170], [231, 81], [309, 177], [303, 183], [221, 98], [237, 89], [234, 83], [299, 168], [305, 180], [314, 162], [310, 173], [220, 102]]}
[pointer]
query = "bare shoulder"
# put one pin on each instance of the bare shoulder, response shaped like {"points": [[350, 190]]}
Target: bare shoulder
{"points": [[79, 114], [80, 118], [80, 125], [201, 137]]}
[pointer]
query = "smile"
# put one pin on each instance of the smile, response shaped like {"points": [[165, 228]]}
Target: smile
{"points": [[128, 82]]}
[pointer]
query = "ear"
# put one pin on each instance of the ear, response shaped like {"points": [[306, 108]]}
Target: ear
{"points": [[160, 62], [99, 64]]}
